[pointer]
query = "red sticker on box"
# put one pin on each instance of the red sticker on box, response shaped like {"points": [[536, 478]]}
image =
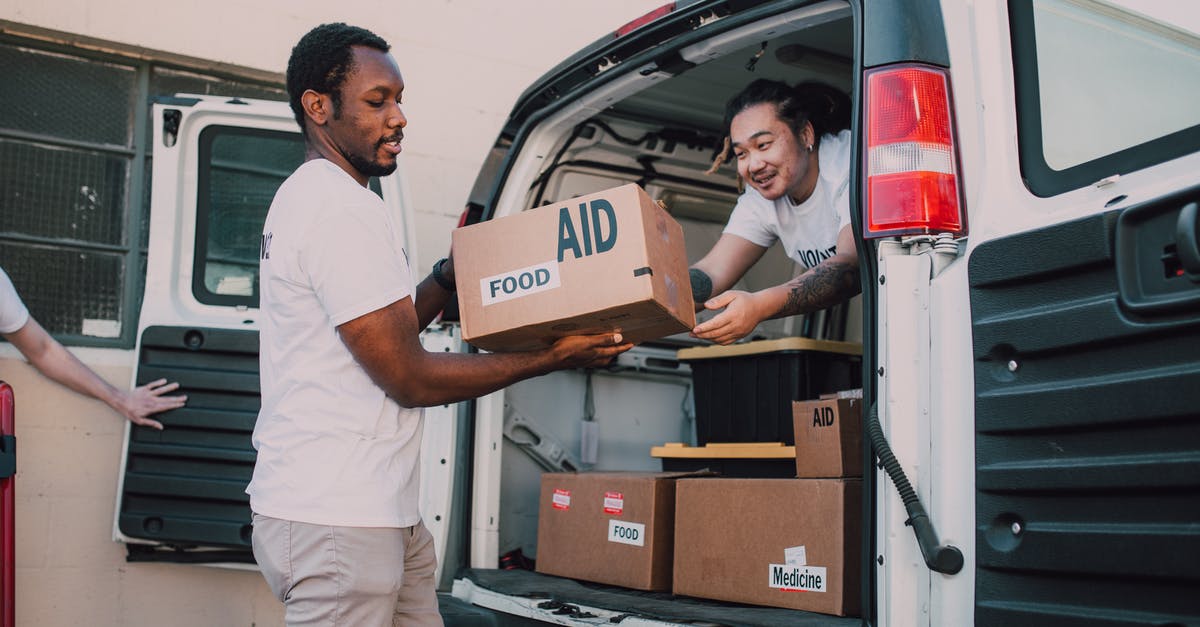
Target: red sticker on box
{"points": [[561, 499], [614, 503]]}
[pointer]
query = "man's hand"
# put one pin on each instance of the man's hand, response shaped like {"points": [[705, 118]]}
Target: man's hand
{"points": [[588, 351], [742, 313], [142, 401]]}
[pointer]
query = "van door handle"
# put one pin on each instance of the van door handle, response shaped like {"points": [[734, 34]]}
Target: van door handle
{"points": [[1187, 240]]}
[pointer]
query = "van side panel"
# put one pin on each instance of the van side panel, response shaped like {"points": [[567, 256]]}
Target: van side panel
{"points": [[1087, 435], [185, 485]]}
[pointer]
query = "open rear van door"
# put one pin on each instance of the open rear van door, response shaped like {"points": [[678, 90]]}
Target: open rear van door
{"points": [[1085, 316], [217, 163]]}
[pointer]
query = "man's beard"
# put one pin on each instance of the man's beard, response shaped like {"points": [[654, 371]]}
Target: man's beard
{"points": [[368, 167]]}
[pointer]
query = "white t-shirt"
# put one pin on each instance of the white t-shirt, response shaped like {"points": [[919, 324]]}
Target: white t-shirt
{"points": [[333, 449], [809, 230], [13, 314]]}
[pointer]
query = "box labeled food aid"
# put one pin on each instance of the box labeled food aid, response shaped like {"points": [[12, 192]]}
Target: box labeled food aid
{"points": [[828, 437], [791, 543], [609, 261], [608, 527]]}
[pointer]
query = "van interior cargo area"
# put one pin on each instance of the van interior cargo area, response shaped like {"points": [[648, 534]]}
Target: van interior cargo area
{"points": [[663, 133]]}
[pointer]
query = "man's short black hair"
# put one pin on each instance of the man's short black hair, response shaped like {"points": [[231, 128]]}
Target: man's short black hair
{"points": [[322, 59]]}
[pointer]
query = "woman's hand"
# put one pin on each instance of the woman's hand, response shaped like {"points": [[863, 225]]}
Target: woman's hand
{"points": [[742, 313], [140, 402]]}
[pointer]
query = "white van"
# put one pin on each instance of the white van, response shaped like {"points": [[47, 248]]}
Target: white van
{"points": [[1029, 323]]}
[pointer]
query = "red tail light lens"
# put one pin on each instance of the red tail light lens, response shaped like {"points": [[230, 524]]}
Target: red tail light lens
{"points": [[912, 172], [645, 19]]}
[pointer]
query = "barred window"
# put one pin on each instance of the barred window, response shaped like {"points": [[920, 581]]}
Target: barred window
{"points": [[75, 136]]}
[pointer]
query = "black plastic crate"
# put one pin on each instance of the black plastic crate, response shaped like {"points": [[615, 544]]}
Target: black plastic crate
{"points": [[744, 392]]}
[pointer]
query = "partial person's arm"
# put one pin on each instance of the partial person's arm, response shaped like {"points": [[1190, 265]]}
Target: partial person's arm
{"points": [[386, 343], [830, 282], [729, 260], [53, 360]]}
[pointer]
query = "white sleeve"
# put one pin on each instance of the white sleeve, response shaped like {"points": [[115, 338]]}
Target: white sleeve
{"points": [[13, 314], [748, 220], [354, 263], [841, 203], [834, 156]]}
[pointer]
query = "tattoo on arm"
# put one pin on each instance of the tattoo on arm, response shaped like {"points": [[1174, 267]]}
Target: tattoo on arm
{"points": [[825, 285]]}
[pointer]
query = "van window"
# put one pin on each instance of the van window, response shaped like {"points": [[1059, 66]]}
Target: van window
{"points": [[240, 169], [1101, 91]]}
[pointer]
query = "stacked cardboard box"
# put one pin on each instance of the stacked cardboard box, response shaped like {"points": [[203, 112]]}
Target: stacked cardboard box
{"points": [[793, 543], [828, 437], [608, 527]]}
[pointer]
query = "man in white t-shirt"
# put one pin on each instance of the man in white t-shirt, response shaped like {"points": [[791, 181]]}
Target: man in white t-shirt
{"points": [[53, 360], [337, 530], [795, 159]]}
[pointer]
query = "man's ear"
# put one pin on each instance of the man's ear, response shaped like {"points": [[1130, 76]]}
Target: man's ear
{"points": [[317, 107], [808, 135]]}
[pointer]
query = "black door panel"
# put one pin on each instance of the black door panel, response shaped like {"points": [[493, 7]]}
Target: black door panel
{"points": [[1087, 429], [185, 486]]}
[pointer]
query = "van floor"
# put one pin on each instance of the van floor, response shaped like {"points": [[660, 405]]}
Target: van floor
{"points": [[657, 605]]}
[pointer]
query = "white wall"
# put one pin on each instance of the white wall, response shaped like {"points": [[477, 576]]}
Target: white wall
{"points": [[464, 63]]}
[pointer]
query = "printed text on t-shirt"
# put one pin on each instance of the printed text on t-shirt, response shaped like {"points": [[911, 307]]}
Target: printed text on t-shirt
{"points": [[812, 257]]}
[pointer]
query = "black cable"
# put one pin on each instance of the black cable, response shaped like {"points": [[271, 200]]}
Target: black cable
{"points": [[945, 559], [544, 179]]}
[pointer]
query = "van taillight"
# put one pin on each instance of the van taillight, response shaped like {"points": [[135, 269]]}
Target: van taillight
{"points": [[913, 183], [645, 19]]}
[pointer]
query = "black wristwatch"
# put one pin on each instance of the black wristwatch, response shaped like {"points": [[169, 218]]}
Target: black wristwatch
{"points": [[440, 278]]}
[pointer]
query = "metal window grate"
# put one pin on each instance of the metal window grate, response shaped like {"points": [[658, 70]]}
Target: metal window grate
{"points": [[69, 291], [167, 81], [65, 96], [62, 193]]}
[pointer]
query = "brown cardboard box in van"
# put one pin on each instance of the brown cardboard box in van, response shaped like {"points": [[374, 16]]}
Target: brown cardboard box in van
{"points": [[608, 527], [828, 437], [613, 260], [793, 543]]}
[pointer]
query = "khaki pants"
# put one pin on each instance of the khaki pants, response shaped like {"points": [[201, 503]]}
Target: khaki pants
{"points": [[333, 576]]}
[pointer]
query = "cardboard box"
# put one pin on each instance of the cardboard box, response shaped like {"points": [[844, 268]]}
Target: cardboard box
{"points": [[613, 260], [608, 527], [828, 437], [792, 543]]}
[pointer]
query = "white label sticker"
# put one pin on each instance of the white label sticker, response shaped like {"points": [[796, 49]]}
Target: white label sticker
{"points": [[797, 578], [561, 499], [101, 328], [626, 532], [795, 556], [520, 282]]}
